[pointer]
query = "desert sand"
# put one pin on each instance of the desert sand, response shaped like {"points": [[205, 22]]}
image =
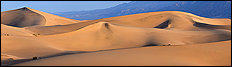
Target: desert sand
{"points": [[167, 38], [215, 54], [24, 17]]}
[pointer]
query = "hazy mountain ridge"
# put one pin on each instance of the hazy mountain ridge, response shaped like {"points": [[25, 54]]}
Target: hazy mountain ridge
{"points": [[210, 9]]}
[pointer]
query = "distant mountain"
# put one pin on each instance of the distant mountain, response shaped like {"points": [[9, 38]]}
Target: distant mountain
{"points": [[210, 9]]}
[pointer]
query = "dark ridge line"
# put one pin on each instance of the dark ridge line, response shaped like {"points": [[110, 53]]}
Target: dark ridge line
{"points": [[25, 9], [209, 26], [163, 25], [106, 25]]}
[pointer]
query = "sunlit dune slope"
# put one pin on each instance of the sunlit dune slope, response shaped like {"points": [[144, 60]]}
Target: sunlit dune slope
{"points": [[14, 31], [24, 17], [215, 54], [58, 29], [171, 20], [26, 47], [104, 35]]}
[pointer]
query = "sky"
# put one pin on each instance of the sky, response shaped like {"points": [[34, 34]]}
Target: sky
{"points": [[59, 6]]}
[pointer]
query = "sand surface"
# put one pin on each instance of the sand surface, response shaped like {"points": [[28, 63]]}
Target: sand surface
{"points": [[25, 17], [167, 38], [208, 54]]}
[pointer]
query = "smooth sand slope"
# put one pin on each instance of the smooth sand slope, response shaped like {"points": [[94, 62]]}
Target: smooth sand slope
{"points": [[167, 20], [58, 29], [104, 35], [171, 20], [7, 57], [26, 47], [215, 54], [18, 43], [24, 17], [22, 43], [14, 31], [155, 38]]}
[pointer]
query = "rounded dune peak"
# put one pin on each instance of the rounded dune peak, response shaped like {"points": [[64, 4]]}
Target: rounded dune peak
{"points": [[25, 17], [25, 7]]}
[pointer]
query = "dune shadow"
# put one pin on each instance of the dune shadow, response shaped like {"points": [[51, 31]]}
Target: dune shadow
{"points": [[6, 63], [22, 18], [163, 25], [13, 62], [209, 26], [150, 44]]}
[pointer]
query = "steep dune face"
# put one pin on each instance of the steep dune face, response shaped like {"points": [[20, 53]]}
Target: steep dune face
{"points": [[21, 18], [24, 17], [54, 19], [104, 35], [208, 54]]}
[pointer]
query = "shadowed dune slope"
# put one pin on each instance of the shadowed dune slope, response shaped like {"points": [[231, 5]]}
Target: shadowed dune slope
{"points": [[216, 54], [104, 35], [21, 18], [24, 17]]}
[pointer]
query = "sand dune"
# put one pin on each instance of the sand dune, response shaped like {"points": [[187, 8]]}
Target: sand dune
{"points": [[22, 43], [209, 54], [104, 35], [24, 17], [174, 20], [26, 47], [52, 30], [7, 57], [157, 38], [14, 31], [169, 19]]}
